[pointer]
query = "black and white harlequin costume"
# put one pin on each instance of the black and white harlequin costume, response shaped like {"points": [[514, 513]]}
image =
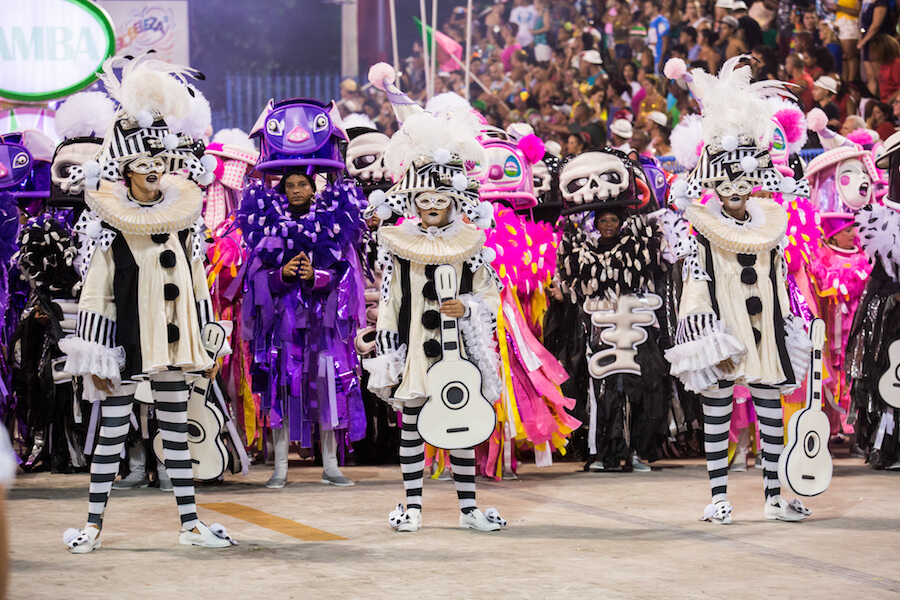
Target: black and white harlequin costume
{"points": [[735, 325], [428, 156], [145, 299]]}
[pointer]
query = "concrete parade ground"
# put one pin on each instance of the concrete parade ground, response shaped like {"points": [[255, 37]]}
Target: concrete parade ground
{"points": [[571, 534]]}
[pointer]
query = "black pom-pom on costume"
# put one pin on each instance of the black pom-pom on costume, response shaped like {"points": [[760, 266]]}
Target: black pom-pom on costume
{"points": [[160, 238], [429, 271], [432, 348], [167, 259], [174, 333], [430, 292], [757, 335], [746, 260], [170, 291], [748, 276], [754, 305], [431, 319]]}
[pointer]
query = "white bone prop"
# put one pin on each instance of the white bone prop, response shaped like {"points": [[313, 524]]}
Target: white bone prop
{"points": [[456, 415], [623, 329], [209, 455], [592, 177], [889, 382], [805, 466]]}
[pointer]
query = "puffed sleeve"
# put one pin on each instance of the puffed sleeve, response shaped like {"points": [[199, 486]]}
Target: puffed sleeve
{"points": [[702, 340], [93, 350], [479, 326], [386, 369]]}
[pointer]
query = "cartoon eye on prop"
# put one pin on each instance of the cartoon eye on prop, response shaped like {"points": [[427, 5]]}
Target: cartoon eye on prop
{"points": [[20, 160], [275, 127], [320, 123], [512, 168], [577, 184], [611, 177], [361, 162]]}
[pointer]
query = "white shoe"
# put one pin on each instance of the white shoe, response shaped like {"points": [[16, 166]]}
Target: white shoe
{"points": [[476, 520], [411, 520], [719, 513], [779, 510], [82, 541], [201, 535], [739, 463]]}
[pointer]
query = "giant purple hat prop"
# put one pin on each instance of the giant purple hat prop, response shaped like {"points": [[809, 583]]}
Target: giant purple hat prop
{"points": [[299, 133]]}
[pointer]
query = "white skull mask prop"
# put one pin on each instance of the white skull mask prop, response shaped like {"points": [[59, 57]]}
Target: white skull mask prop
{"points": [[593, 177], [365, 158], [542, 178], [72, 153]]}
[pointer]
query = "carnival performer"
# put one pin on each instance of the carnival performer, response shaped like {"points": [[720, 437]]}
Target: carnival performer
{"points": [[735, 325], [533, 412], [428, 156], [871, 356], [144, 302], [840, 271], [304, 290], [611, 263]]}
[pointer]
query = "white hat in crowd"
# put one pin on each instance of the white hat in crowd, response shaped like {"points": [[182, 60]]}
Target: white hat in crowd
{"points": [[827, 83], [659, 118], [592, 57], [621, 128]]}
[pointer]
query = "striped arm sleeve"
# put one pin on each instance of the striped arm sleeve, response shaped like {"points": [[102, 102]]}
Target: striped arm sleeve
{"points": [[205, 312], [95, 328]]}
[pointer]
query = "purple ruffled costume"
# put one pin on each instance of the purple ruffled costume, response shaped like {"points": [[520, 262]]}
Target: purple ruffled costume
{"points": [[301, 332]]}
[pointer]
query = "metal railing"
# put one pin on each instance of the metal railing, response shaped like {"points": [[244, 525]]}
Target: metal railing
{"points": [[246, 94]]}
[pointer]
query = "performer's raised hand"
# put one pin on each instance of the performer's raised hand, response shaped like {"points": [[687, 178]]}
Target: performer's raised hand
{"points": [[292, 267], [306, 268]]}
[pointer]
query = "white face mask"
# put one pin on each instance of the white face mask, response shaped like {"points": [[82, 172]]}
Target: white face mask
{"points": [[853, 183]]}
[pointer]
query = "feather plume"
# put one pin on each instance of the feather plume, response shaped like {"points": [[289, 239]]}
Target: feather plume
{"points": [[148, 84], [84, 115], [447, 102], [686, 140], [424, 133], [732, 105], [198, 121], [358, 120]]}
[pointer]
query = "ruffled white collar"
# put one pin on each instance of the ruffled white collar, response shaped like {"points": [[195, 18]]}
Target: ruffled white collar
{"points": [[181, 205], [454, 243], [760, 232]]}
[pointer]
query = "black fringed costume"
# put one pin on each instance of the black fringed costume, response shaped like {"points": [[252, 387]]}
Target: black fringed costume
{"points": [[609, 280]]}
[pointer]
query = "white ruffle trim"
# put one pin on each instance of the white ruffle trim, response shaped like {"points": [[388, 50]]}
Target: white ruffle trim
{"points": [[799, 347], [696, 362], [385, 371], [477, 329], [88, 358]]}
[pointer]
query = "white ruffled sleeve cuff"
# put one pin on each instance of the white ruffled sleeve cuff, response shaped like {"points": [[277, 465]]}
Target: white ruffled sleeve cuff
{"points": [[478, 328], [701, 344], [90, 358], [385, 371]]}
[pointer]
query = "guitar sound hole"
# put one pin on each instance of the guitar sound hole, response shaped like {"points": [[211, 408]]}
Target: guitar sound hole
{"points": [[455, 396], [811, 445], [195, 432]]}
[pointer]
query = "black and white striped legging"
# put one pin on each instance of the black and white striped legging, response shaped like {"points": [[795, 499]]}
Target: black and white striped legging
{"points": [[412, 465], [170, 393], [717, 408]]}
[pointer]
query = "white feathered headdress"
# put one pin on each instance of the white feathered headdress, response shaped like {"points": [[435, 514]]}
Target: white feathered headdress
{"points": [[160, 115], [736, 125], [430, 153]]}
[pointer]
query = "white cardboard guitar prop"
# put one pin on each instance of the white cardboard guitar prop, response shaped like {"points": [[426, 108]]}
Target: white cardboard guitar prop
{"points": [[889, 383], [805, 466], [209, 455], [456, 415]]}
